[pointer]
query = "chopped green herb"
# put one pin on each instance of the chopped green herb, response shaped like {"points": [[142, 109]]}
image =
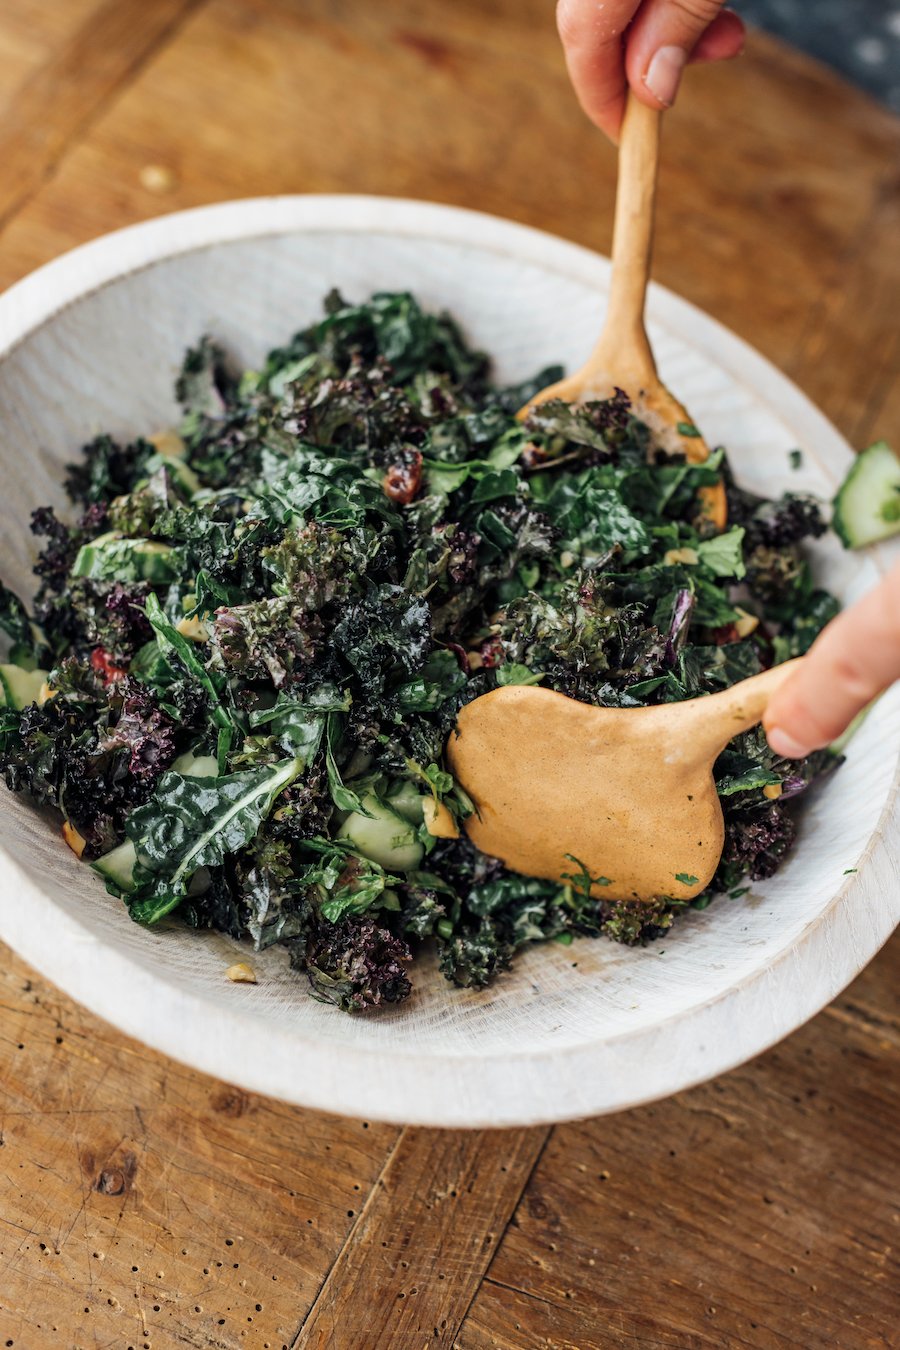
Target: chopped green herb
{"points": [[686, 879]]}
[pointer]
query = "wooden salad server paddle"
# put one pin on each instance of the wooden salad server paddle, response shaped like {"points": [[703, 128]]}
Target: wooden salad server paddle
{"points": [[627, 793], [623, 357]]}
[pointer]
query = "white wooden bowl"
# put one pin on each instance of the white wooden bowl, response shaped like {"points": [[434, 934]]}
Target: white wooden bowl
{"points": [[91, 343]]}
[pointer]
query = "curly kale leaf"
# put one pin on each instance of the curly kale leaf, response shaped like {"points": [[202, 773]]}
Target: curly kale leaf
{"points": [[559, 427], [755, 843], [472, 957], [590, 515], [264, 640], [92, 751], [384, 636], [107, 470], [355, 964], [273, 903], [392, 325], [313, 483], [203, 387]]}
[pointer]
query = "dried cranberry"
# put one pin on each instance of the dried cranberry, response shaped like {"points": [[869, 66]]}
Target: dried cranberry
{"points": [[492, 653], [101, 663], [403, 479]]}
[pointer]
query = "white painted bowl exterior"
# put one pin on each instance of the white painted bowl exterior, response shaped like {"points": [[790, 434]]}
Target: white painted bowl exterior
{"points": [[91, 342]]}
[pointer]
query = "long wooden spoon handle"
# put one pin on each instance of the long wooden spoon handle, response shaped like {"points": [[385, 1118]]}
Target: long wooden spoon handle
{"points": [[632, 241], [718, 717]]}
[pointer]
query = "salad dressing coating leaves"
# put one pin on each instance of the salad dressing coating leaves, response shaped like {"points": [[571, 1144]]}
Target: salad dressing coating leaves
{"points": [[304, 585]]}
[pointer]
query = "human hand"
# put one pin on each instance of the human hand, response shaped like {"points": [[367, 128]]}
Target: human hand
{"points": [[855, 658], [642, 43]]}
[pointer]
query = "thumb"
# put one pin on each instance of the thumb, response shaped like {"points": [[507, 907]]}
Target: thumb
{"points": [[852, 660], [664, 35]]}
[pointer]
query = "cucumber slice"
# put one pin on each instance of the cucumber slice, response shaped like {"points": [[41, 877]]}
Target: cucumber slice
{"points": [[117, 865], [384, 837], [406, 800], [867, 508], [109, 557], [181, 474], [190, 765], [20, 687]]}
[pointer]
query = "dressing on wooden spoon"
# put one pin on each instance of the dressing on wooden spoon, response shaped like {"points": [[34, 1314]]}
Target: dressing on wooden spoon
{"points": [[623, 357], [628, 792]]}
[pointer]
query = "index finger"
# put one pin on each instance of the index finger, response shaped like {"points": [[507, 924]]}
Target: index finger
{"points": [[592, 39]]}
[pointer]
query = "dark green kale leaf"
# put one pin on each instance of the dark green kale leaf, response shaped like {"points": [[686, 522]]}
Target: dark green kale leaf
{"points": [[273, 903], [804, 624], [175, 647], [297, 725], [439, 680], [107, 470], [93, 751], [204, 387], [193, 823], [26, 640], [265, 640], [588, 511], [383, 636], [351, 544]]}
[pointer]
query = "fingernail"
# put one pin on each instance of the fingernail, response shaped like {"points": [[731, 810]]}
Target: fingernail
{"points": [[664, 74], [783, 743]]}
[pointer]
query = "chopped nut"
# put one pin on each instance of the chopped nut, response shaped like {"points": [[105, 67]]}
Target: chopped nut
{"points": [[45, 693], [73, 839], [772, 791], [566, 558], [241, 973], [438, 820], [688, 556], [194, 628], [474, 660], [745, 623], [168, 444]]}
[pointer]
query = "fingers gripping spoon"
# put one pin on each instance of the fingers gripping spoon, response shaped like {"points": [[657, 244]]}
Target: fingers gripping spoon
{"points": [[623, 357], [627, 792]]}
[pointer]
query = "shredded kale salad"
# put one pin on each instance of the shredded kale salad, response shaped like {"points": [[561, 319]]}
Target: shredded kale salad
{"points": [[247, 653]]}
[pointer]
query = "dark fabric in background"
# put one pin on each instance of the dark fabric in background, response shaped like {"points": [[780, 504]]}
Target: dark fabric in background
{"points": [[859, 38]]}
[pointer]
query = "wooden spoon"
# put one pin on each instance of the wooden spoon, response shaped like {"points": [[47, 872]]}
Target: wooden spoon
{"points": [[623, 357], [628, 792]]}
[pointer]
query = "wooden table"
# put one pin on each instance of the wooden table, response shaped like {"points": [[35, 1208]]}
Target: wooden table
{"points": [[144, 1205]]}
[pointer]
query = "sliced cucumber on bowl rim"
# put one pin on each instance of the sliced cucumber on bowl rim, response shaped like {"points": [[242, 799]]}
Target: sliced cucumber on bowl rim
{"points": [[867, 506]]}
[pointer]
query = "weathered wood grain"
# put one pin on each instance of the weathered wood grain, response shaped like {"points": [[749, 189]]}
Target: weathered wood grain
{"points": [[410, 1267], [856, 314], [55, 106], [757, 1211], [31, 35], [140, 1201]]}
